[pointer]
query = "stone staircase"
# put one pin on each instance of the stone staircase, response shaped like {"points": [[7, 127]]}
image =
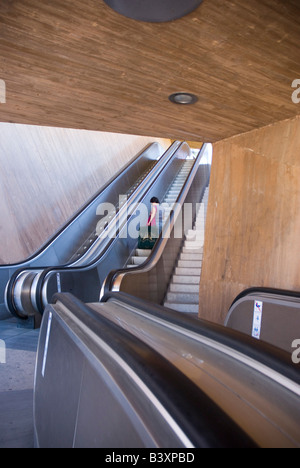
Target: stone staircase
{"points": [[183, 292]]}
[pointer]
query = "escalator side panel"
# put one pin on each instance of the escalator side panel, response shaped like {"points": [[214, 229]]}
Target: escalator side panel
{"points": [[120, 248], [59, 249], [277, 321], [77, 403], [109, 193], [124, 394], [247, 390]]}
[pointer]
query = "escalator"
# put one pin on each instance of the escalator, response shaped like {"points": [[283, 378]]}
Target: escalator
{"points": [[268, 314], [30, 289], [126, 373], [150, 279], [78, 231], [85, 233]]}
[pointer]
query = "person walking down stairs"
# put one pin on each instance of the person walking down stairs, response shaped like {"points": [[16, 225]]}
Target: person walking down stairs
{"points": [[161, 215]]}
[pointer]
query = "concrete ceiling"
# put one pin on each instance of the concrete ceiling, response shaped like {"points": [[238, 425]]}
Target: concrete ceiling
{"points": [[69, 63]]}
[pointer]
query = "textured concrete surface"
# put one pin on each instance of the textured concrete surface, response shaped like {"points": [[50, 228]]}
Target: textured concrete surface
{"points": [[17, 362]]}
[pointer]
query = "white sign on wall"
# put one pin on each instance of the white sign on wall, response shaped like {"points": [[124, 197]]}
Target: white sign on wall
{"points": [[2, 92], [257, 318], [2, 352]]}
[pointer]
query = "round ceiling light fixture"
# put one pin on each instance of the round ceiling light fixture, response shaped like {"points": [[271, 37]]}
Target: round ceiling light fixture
{"points": [[153, 11], [183, 98]]}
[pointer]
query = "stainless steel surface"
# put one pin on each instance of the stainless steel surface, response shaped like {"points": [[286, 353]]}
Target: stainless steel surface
{"points": [[87, 395], [22, 293], [262, 401], [126, 373]]}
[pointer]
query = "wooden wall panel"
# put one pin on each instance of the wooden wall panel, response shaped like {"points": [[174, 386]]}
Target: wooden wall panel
{"points": [[253, 219], [47, 174], [69, 63]]}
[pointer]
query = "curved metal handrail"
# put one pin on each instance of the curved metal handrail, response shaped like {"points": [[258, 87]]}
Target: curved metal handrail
{"points": [[23, 263], [119, 220], [194, 417], [12, 293], [267, 355], [264, 290], [115, 277]]}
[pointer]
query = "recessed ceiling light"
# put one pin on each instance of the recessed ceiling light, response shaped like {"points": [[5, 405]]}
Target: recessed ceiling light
{"points": [[153, 11], [183, 98]]}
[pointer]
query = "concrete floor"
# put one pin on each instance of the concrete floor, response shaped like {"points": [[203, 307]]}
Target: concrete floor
{"points": [[17, 362]]}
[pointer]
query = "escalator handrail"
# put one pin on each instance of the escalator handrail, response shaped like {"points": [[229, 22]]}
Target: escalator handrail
{"points": [[263, 290], [115, 277], [198, 419], [269, 356], [165, 159], [45, 272], [127, 209], [79, 212]]}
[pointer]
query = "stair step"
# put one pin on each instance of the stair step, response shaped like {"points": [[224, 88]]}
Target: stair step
{"points": [[199, 225], [138, 260], [191, 256], [189, 263], [194, 232], [199, 240], [185, 308], [183, 298], [185, 279], [188, 271], [195, 237], [193, 245], [184, 288], [189, 250], [143, 252], [199, 230]]}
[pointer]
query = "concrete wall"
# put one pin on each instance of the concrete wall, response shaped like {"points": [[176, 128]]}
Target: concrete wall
{"points": [[252, 233], [47, 174]]}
